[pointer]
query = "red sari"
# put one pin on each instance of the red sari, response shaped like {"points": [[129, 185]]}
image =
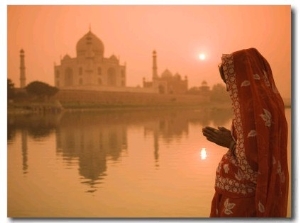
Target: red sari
{"points": [[254, 180]]}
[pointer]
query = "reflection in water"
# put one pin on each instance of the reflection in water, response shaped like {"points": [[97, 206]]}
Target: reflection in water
{"points": [[38, 126], [92, 138], [173, 125], [24, 151], [89, 139], [95, 137], [203, 154], [92, 142]]}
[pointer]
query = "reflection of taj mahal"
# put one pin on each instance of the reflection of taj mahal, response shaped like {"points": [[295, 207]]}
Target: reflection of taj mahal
{"points": [[90, 70]]}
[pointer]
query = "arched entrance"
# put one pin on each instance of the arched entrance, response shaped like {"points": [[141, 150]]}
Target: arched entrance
{"points": [[68, 77], [161, 89]]}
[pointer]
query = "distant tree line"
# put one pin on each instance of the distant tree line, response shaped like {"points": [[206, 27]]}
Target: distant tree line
{"points": [[217, 93], [41, 90], [10, 89], [35, 89]]}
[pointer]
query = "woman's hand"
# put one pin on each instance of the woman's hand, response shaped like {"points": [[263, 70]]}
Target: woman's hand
{"points": [[220, 136]]}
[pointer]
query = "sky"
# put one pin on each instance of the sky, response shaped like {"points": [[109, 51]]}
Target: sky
{"points": [[178, 33]]}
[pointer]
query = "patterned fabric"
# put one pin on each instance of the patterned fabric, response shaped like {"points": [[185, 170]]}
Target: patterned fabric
{"points": [[256, 175], [224, 206]]}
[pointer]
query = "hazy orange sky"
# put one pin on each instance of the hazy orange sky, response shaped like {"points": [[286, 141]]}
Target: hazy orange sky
{"points": [[178, 34]]}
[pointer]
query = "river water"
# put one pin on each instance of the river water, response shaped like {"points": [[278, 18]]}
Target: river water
{"points": [[114, 164]]}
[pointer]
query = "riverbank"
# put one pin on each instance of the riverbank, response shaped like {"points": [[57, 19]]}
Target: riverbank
{"points": [[28, 109], [31, 108], [34, 107]]}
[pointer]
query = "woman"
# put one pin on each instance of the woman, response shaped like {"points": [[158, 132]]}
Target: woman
{"points": [[252, 179]]}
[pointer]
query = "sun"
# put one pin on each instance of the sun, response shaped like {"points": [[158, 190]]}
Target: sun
{"points": [[202, 56]]}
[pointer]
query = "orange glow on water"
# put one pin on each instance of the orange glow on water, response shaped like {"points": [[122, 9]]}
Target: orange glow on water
{"points": [[203, 153]]}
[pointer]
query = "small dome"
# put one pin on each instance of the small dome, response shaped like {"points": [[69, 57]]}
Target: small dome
{"points": [[66, 57], [113, 58], [177, 76], [90, 42], [166, 74], [204, 83]]}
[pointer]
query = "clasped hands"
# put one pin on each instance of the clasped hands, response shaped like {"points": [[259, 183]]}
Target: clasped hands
{"points": [[221, 136]]}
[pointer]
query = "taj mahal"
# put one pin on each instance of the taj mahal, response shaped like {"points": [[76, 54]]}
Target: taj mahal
{"points": [[91, 70]]}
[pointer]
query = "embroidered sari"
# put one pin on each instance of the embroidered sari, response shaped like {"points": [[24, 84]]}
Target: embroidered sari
{"points": [[253, 180]]}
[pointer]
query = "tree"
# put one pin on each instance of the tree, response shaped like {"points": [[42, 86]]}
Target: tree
{"points": [[194, 90], [201, 90], [10, 89], [219, 93], [41, 89]]}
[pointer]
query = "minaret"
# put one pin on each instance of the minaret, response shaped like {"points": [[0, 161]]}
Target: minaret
{"points": [[22, 69], [154, 68]]}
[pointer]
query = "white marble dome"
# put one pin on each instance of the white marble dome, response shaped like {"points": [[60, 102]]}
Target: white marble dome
{"points": [[88, 44]]}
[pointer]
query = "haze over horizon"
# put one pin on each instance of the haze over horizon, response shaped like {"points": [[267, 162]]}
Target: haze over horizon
{"points": [[179, 34]]}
